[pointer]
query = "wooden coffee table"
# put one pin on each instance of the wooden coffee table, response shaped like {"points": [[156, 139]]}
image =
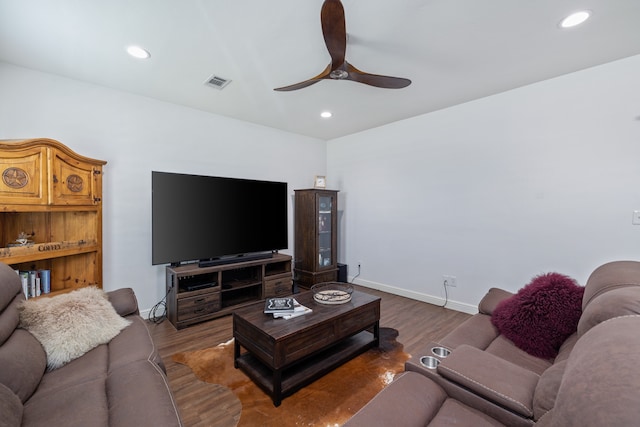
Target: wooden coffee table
{"points": [[284, 355]]}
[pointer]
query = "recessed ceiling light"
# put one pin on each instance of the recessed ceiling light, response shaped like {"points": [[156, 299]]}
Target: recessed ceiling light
{"points": [[138, 52], [576, 18], [326, 114]]}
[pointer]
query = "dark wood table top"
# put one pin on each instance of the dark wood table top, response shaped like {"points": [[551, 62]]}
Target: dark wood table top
{"points": [[280, 328]]}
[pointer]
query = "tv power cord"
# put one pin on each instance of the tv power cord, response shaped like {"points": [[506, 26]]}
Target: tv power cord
{"points": [[354, 277], [153, 313]]}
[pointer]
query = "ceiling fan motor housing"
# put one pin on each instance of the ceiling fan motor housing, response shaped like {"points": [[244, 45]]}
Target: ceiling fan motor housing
{"points": [[339, 74]]}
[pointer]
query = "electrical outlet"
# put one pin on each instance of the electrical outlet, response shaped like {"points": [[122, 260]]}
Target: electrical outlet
{"points": [[449, 280]]}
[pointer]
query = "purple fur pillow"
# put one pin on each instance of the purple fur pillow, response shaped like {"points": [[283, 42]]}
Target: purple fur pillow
{"points": [[542, 315]]}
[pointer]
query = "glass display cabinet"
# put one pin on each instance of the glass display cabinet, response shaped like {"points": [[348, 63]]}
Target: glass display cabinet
{"points": [[315, 250]]}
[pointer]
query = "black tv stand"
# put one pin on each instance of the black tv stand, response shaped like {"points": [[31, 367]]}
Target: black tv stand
{"points": [[234, 259]]}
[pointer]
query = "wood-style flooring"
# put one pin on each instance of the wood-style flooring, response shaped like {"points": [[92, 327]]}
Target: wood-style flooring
{"points": [[203, 404]]}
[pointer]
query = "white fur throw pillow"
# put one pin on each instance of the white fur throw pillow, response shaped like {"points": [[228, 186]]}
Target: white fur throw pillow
{"points": [[69, 325]]}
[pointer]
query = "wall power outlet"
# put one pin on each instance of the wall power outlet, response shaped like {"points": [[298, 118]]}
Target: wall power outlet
{"points": [[449, 280]]}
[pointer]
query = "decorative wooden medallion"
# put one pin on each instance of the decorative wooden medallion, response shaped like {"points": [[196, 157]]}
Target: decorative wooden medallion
{"points": [[15, 177], [74, 183]]}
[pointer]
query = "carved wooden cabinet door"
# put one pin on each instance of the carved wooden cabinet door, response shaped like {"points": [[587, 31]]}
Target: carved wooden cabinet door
{"points": [[21, 176], [74, 182]]}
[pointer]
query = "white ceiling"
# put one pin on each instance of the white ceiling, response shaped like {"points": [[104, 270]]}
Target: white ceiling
{"points": [[452, 50]]}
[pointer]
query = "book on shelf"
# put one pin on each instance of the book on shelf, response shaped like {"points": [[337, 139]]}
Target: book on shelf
{"points": [[24, 278], [35, 282], [279, 305]]}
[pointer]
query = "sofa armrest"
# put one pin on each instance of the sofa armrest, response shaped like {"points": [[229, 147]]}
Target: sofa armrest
{"points": [[492, 378], [409, 400], [491, 300], [11, 408], [124, 301]]}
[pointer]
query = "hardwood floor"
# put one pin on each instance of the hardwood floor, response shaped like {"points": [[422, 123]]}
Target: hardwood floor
{"points": [[203, 404]]}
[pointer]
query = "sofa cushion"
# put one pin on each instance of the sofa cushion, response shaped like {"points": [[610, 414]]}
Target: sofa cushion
{"points": [[79, 405], [22, 364], [10, 408], [613, 275], [11, 285], [124, 301], [544, 397], [505, 349], [477, 331], [141, 378], [93, 364], [566, 348], [620, 301], [410, 400], [10, 295], [133, 344], [9, 318], [541, 315], [414, 400], [69, 325], [453, 412], [491, 300], [600, 383]]}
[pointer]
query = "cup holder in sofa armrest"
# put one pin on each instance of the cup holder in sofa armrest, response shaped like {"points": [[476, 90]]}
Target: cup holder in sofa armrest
{"points": [[429, 362], [428, 359], [491, 377], [441, 352], [438, 353]]}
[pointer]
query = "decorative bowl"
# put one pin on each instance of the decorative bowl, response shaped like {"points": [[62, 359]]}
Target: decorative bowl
{"points": [[332, 292]]}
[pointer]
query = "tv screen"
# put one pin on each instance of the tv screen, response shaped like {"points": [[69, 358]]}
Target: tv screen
{"points": [[197, 217]]}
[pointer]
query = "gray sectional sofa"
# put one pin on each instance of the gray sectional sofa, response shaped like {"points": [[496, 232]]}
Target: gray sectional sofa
{"points": [[475, 376], [121, 383]]}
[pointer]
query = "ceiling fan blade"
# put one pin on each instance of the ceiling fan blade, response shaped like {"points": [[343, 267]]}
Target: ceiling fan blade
{"points": [[306, 83], [386, 82], [297, 86], [335, 37], [334, 31]]}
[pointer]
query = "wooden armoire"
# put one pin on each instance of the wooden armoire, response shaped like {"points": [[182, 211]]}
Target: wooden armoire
{"points": [[51, 212]]}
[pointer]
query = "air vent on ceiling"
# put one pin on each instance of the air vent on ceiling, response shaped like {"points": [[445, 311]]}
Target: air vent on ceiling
{"points": [[217, 82]]}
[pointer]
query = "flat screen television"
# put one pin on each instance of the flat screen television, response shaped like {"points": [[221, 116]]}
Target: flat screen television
{"points": [[214, 219]]}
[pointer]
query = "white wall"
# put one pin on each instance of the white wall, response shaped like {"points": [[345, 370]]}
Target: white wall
{"points": [[494, 191], [136, 135]]}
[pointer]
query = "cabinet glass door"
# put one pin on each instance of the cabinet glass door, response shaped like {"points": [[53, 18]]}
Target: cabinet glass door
{"points": [[324, 231]]}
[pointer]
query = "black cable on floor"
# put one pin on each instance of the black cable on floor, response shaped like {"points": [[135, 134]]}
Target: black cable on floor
{"points": [[153, 313]]}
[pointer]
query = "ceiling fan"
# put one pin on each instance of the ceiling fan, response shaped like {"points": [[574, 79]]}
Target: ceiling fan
{"points": [[335, 37]]}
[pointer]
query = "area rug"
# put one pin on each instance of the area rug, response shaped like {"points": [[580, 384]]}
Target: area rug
{"points": [[329, 401]]}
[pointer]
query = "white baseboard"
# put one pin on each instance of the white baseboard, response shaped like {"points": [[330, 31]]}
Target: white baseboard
{"points": [[146, 313], [453, 305]]}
